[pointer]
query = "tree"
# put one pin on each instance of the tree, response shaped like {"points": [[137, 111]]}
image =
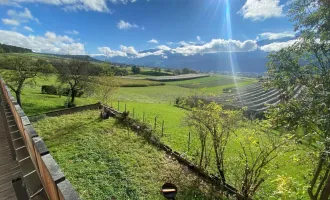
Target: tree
{"points": [[213, 121], [307, 63], [185, 71], [177, 72], [105, 87], [75, 74], [258, 148], [135, 69], [21, 71]]}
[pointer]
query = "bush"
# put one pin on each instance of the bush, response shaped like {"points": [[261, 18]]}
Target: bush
{"points": [[67, 91], [48, 89]]}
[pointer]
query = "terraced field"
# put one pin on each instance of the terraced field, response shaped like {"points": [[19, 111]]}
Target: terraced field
{"points": [[254, 96]]}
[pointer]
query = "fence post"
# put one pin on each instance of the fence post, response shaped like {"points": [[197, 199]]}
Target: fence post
{"points": [[163, 128], [118, 105], [155, 122], [133, 112], [143, 117], [189, 142]]}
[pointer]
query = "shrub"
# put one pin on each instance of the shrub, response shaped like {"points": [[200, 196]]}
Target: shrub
{"points": [[48, 89], [66, 92]]}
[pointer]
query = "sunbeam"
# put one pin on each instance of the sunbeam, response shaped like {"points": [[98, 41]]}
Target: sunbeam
{"points": [[231, 53]]}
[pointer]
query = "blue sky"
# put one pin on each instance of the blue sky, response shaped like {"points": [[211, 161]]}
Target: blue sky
{"points": [[126, 27]]}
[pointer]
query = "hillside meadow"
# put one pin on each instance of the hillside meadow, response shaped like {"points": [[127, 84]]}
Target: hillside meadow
{"points": [[148, 102]]}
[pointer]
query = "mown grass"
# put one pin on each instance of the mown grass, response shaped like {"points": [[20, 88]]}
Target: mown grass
{"points": [[103, 161]]}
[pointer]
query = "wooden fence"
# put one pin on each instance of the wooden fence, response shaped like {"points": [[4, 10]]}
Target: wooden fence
{"points": [[40, 173], [149, 135]]}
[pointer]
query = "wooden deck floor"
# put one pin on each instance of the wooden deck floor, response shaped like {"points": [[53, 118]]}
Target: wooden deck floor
{"points": [[8, 167]]}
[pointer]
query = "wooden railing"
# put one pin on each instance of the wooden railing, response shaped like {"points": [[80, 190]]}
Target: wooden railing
{"points": [[40, 173]]}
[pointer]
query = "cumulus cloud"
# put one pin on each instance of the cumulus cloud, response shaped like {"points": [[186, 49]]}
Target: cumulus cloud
{"points": [[198, 38], [275, 36], [153, 41], [214, 46], [49, 43], [276, 46], [28, 28], [16, 17], [122, 25], [72, 32], [129, 52], [11, 22], [71, 5], [261, 9], [163, 47], [107, 51], [217, 45]]}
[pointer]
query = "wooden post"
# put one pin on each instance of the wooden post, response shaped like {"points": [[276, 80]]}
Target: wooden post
{"points": [[133, 112], [163, 128], [189, 141], [143, 117], [155, 122], [118, 105]]}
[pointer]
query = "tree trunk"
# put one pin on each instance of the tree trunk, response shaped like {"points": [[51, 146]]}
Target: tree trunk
{"points": [[202, 155], [18, 97], [326, 190], [222, 174], [73, 95]]}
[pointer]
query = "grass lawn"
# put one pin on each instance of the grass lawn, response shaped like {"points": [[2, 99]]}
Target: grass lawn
{"points": [[102, 161]]}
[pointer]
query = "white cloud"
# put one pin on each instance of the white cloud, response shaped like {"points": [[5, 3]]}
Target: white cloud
{"points": [[275, 36], [276, 46], [198, 38], [122, 25], [122, 1], [49, 43], [129, 50], [261, 9], [72, 32], [111, 53], [163, 47], [9, 3], [217, 45], [156, 53], [24, 15], [183, 43], [153, 41], [11, 22], [28, 28], [16, 18], [71, 5]]}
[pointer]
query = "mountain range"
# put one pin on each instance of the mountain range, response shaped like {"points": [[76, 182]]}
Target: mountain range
{"points": [[253, 61]]}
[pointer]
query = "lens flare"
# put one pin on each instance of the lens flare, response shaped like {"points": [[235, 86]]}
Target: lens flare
{"points": [[231, 52]]}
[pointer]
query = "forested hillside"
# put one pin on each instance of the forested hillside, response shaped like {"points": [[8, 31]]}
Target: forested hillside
{"points": [[13, 49]]}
